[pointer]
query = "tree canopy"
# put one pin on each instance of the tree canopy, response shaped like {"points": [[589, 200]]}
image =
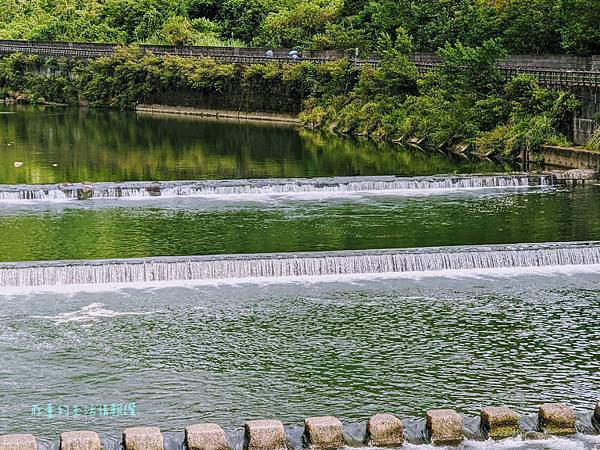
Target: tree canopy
{"points": [[519, 26]]}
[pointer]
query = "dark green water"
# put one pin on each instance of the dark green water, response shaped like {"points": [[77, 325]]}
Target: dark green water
{"points": [[233, 353], [122, 228], [91, 145]]}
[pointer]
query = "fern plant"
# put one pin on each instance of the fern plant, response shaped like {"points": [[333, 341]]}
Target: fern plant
{"points": [[594, 142]]}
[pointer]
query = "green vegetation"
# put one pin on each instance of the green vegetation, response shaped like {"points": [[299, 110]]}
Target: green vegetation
{"points": [[594, 142], [520, 26], [466, 102]]}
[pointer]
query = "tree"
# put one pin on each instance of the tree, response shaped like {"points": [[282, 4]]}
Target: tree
{"points": [[296, 26], [532, 26], [581, 32], [178, 31], [241, 19], [471, 69]]}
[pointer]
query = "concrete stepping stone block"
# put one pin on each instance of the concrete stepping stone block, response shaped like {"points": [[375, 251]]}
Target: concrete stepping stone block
{"points": [[325, 432], [143, 438], [80, 440], [597, 412], [18, 442], [265, 435], [557, 419], [500, 422], [385, 430], [205, 436], [445, 426]]}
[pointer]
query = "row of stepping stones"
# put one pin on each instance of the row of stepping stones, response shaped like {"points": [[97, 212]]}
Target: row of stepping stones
{"points": [[444, 427]]}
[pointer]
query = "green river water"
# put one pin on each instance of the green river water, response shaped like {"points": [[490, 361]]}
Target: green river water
{"points": [[233, 352]]}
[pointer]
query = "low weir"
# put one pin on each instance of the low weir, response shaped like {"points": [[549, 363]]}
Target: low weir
{"points": [[207, 188], [282, 265], [556, 426]]}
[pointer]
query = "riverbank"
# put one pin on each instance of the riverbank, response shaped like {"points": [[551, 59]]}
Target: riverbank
{"points": [[458, 103], [553, 156]]}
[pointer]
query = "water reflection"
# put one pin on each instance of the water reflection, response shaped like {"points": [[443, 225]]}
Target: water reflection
{"points": [[59, 145], [120, 228]]}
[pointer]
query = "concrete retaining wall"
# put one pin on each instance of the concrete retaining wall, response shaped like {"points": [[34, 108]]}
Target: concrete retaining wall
{"points": [[258, 97], [441, 427], [584, 123], [570, 157], [264, 96], [218, 114]]}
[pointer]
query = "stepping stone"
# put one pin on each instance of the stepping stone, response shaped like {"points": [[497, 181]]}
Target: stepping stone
{"points": [[557, 419], [500, 422], [597, 412], [143, 438], [324, 432], [385, 430], [445, 426], [265, 435], [205, 436], [18, 442], [80, 440]]}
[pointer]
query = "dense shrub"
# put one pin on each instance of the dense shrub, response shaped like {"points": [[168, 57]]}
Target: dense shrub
{"points": [[520, 26], [466, 100]]}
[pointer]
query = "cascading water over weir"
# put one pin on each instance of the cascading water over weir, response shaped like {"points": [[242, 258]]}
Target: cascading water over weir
{"points": [[171, 189], [314, 264]]}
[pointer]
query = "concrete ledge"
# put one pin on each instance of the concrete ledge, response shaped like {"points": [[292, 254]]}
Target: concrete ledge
{"points": [[205, 436], [18, 442], [265, 435], [80, 440], [500, 423], [576, 177], [325, 432], [445, 426], [218, 114], [385, 430], [142, 438], [577, 158], [557, 419]]}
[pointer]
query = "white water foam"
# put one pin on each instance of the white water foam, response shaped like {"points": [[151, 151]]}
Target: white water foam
{"points": [[578, 442], [236, 189], [543, 261], [89, 313]]}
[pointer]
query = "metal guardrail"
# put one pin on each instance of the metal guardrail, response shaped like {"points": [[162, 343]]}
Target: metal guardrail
{"points": [[546, 76], [424, 62], [557, 78], [233, 54]]}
